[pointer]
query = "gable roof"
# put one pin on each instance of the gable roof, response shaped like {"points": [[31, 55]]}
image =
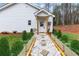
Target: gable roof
{"points": [[10, 4], [38, 8], [43, 10], [6, 6], [33, 6]]}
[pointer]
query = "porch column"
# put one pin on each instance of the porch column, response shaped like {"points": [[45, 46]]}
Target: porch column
{"points": [[37, 24], [46, 24]]}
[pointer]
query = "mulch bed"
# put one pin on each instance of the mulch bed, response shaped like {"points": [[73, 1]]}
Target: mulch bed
{"points": [[68, 28], [14, 34]]}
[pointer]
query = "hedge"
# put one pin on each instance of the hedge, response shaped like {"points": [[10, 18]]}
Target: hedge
{"points": [[4, 47], [17, 47], [57, 33], [64, 39], [75, 46], [24, 35]]}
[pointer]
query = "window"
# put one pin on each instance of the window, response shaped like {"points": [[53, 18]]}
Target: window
{"points": [[29, 22]]}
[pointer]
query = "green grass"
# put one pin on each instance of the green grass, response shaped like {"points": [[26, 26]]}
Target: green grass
{"points": [[13, 38], [72, 36], [71, 40]]}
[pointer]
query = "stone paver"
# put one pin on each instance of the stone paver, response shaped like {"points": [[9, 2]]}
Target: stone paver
{"points": [[44, 46]]}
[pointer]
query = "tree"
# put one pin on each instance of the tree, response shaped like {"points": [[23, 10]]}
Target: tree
{"points": [[56, 12], [47, 6], [69, 13], [4, 47], [65, 13]]}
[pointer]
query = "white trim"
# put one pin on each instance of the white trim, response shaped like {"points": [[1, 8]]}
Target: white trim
{"points": [[43, 10], [5, 6], [9, 4]]}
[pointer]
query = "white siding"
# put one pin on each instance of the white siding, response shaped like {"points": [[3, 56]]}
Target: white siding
{"points": [[16, 18]]}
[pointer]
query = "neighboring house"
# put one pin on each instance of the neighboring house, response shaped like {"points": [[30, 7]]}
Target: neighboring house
{"points": [[19, 17]]}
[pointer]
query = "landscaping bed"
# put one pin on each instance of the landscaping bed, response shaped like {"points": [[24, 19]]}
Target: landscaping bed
{"points": [[68, 28], [12, 45], [69, 39]]}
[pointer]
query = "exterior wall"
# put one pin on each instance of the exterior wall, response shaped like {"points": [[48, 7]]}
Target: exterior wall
{"points": [[15, 18], [51, 26]]}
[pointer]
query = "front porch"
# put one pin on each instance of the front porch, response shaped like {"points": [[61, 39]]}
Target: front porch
{"points": [[44, 21], [42, 24]]}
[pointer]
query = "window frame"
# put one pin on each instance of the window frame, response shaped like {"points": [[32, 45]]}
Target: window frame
{"points": [[29, 22]]}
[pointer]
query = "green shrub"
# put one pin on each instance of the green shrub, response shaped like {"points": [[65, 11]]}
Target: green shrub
{"points": [[64, 38], [54, 32], [27, 36], [24, 35], [30, 34], [4, 47], [75, 46], [59, 34], [16, 47], [31, 30]]}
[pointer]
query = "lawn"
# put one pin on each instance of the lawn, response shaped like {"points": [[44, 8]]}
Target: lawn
{"points": [[72, 36], [74, 45], [69, 39], [12, 38], [15, 43]]}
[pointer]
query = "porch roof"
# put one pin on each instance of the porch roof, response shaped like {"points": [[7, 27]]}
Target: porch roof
{"points": [[43, 11]]}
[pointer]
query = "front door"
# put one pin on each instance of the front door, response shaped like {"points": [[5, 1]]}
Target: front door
{"points": [[42, 25]]}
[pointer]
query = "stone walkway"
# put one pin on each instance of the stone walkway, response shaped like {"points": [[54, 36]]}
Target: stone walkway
{"points": [[44, 46]]}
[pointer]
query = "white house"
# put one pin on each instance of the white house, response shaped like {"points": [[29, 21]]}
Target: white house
{"points": [[24, 16]]}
